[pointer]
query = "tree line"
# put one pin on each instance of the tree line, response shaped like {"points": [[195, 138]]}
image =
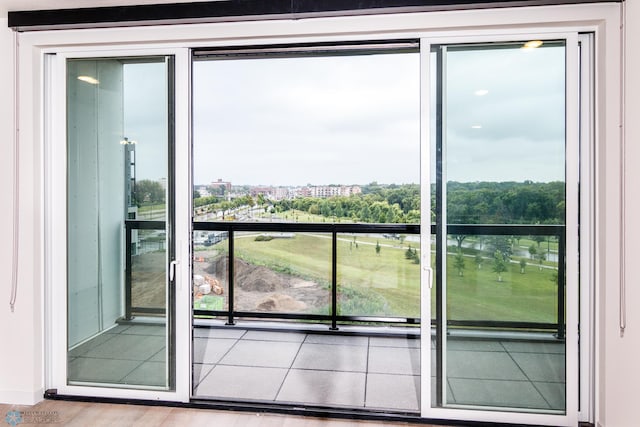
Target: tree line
{"points": [[359, 208], [467, 203], [506, 202]]}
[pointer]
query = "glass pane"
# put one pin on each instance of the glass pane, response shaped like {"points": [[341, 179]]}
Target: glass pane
{"points": [[148, 271], [501, 164], [379, 275], [117, 210], [283, 272], [502, 279], [211, 270]]}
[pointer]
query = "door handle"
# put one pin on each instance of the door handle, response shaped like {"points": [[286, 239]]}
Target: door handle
{"points": [[172, 269], [429, 271]]}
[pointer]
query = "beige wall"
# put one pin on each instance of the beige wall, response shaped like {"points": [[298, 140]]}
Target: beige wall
{"points": [[619, 380], [21, 353]]}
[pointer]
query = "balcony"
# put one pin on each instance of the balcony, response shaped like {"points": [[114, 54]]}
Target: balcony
{"points": [[246, 350]]}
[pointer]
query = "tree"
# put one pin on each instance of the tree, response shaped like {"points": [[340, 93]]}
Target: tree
{"points": [[523, 264], [541, 257], [458, 263], [377, 248], [533, 251], [412, 254], [503, 245], [224, 207], [538, 239], [262, 202], [148, 192], [499, 264], [409, 253], [478, 260]]}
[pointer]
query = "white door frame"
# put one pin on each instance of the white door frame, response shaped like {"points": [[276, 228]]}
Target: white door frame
{"points": [[55, 163]]}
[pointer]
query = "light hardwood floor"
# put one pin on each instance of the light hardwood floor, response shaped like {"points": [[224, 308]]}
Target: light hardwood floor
{"points": [[82, 414]]}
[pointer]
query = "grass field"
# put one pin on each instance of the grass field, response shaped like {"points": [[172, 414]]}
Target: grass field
{"points": [[387, 283], [301, 216]]}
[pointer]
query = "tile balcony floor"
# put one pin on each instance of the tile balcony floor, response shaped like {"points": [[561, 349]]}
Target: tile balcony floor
{"points": [[370, 372]]}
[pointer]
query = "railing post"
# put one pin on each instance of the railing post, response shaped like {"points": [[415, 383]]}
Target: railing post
{"points": [[127, 271], [334, 280], [230, 320], [561, 284]]}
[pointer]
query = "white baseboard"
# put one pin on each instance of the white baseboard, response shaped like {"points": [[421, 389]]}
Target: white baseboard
{"points": [[21, 397]]}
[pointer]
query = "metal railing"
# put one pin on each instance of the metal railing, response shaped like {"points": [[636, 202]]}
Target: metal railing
{"points": [[333, 318]]}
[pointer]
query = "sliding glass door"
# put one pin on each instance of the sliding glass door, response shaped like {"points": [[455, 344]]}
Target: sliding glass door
{"points": [[387, 226], [504, 189], [119, 228]]}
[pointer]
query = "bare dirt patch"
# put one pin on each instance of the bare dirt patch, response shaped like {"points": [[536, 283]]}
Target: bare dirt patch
{"points": [[148, 278], [258, 288]]}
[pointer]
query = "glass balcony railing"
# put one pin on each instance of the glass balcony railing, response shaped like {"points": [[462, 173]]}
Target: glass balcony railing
{"points": [[145, 268], [497, 276]]}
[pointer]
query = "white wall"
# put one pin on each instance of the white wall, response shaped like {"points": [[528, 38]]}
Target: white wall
{"points": [[20, 332], [620, 378]]}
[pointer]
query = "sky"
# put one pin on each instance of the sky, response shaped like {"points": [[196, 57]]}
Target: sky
{"points": [[514, 129], [318, 120], [145, 117], [356, 119]]}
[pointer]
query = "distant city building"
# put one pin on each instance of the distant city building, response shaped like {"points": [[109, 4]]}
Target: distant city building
{"points": [[163, 183], [220, 184], [203, 190], [352, 190], [280, 193], [319, 191], [325, 191], [265, 191], [302, 192]]}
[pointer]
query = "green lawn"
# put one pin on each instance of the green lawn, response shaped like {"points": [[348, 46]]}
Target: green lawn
{"points": [[528, 297], [307, 256], [389, 284], [301, 216]]}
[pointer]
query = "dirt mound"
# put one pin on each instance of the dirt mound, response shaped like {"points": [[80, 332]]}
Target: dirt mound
{"points": [[279, 302], [248, 277], [257, 288]]}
